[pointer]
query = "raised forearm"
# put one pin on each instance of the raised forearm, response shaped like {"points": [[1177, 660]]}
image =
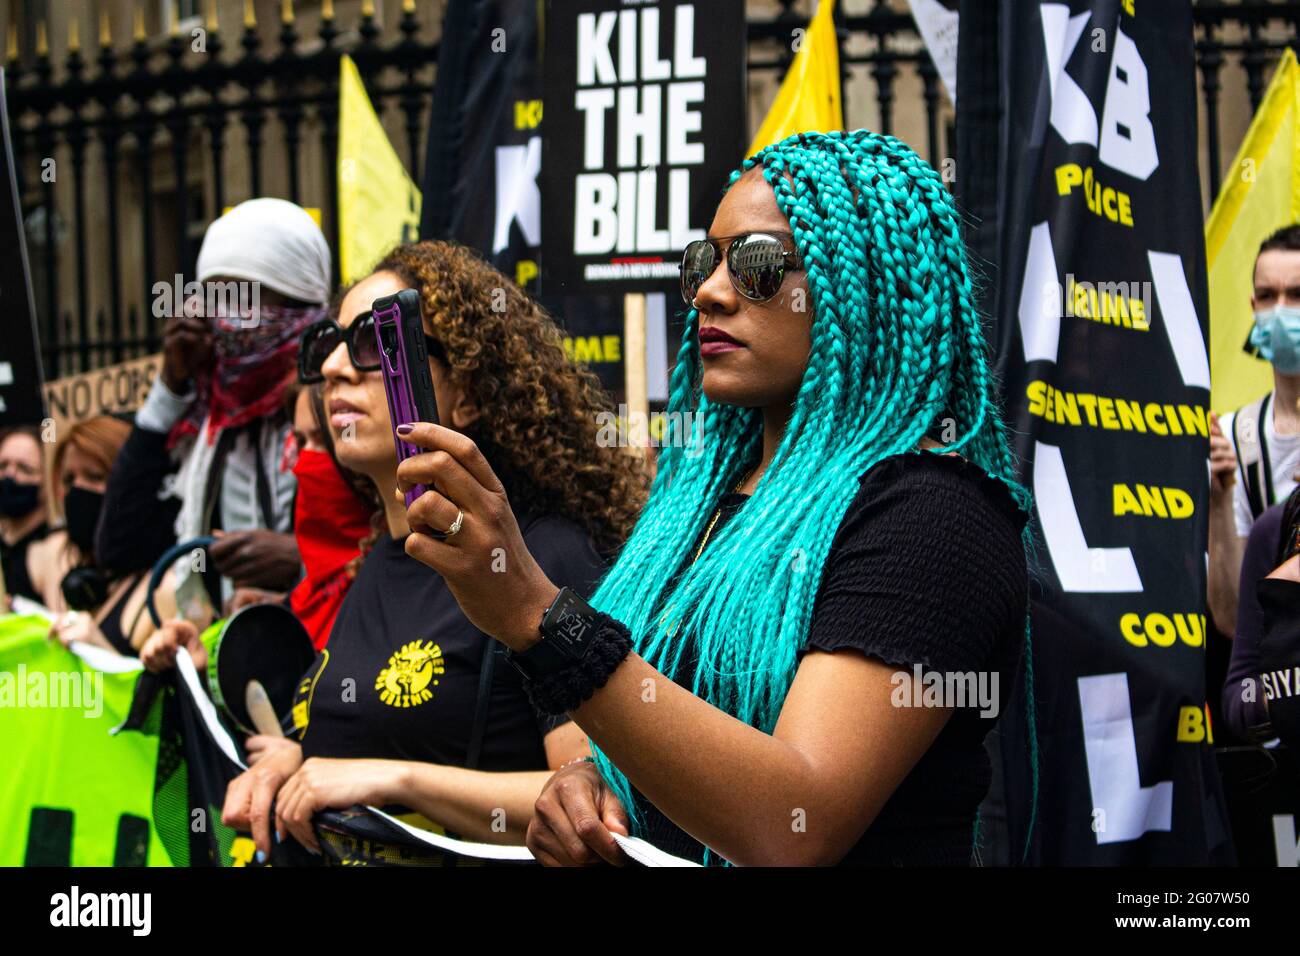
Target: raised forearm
{"points": [[475, 804], [732, 787], [1226, 548]]}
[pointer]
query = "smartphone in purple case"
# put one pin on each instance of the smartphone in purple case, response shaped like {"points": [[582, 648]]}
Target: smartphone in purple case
{"points": [[405, 366]]}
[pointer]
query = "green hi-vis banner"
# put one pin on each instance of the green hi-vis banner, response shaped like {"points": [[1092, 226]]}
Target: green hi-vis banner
{"points": [[74, 794]]}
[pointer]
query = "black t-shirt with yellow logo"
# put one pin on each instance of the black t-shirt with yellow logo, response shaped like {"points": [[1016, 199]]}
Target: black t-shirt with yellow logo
{"points": [[399, 678]]}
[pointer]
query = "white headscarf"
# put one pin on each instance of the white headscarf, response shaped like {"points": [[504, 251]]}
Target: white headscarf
{"points": [[271, 241]]}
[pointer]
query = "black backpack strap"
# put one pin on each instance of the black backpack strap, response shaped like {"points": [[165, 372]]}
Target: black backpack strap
{"points": [[212, 487], [1266, 465], [265, 503], [225, 443]]}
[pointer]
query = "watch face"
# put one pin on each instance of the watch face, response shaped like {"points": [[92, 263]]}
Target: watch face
{"points": [[568, 623]]}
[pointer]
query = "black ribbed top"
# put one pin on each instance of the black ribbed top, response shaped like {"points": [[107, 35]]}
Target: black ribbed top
{"points": [[926, 568]]}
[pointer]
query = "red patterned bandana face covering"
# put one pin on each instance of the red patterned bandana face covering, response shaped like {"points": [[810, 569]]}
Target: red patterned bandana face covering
{"points": [[255, 360]]}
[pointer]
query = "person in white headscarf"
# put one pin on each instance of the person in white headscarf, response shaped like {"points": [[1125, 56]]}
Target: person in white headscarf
{"points": [[207, 449]]}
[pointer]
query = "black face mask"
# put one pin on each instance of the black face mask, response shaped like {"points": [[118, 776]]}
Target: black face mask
{"points": [[18, 500], [81, 511]]}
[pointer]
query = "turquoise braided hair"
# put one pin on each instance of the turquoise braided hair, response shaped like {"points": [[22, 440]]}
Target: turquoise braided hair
{"points": [[896, 342]]}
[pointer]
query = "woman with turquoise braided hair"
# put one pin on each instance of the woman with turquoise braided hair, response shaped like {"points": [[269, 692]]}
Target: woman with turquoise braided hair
{"points": [[823, 607]]}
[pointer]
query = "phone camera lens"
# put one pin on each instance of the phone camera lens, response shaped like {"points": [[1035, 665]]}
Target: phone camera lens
{"points": [[388, 335]]}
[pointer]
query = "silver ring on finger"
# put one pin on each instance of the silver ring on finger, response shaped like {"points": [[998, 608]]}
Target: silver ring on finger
{"points": [[456, 525]]}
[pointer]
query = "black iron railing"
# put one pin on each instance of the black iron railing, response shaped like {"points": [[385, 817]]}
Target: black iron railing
{"points": [[135, 99], [1255, 52]]}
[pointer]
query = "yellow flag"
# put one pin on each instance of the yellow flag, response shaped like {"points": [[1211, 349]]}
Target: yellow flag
{"points": [[1261, 194], [809, 98], [379, 205]]}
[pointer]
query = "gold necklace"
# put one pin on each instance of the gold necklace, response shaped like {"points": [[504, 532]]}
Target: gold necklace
{"points": [[707, 531], [716, 515]]}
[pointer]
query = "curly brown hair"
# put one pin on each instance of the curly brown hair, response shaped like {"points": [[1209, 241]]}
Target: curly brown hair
{"points": [[538, 426]]}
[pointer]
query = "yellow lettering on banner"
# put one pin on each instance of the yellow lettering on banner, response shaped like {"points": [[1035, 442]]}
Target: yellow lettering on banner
{"points": [[1123, 501], [1191, 636], [1114, 414], [1193, 418], [1107, 408], [1069, 408], [1102, 201], [528, 114], [1067, 177], [1130, 415], [593, 348], [1163, 630], [1106, 302], [1152, 501], [1194, 725], [1036, 392], [1089, 403], [1155, 419], [1159, 630], [525, 272], [1172, 418]]}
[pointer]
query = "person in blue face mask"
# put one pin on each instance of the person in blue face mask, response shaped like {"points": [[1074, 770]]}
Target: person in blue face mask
{"points": [[1276, 337], [1255, 451]]}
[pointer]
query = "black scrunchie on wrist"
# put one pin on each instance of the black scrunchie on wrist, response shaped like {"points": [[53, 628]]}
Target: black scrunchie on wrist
{"points": [[566, 689]]}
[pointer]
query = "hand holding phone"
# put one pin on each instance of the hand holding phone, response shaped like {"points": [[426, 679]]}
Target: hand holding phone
{"points": [[405, 366]]}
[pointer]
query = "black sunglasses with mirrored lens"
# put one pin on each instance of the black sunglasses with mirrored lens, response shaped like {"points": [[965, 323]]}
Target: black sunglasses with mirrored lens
{"points": [[322, 338], [757, 263]]}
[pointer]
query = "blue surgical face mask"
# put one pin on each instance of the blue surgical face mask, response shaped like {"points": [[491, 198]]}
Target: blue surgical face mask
{"points": [[1277, 336]]}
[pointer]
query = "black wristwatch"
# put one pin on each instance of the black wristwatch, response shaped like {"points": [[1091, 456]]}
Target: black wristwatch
{"points": [[567, 628]]}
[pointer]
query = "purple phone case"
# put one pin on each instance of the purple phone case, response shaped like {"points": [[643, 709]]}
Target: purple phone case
{"points": [[401, 395]]}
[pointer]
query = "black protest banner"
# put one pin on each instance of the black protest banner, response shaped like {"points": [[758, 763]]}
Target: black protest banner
{"points": [[594, 337], [645, 118], [483, 160], [1099, 304], [485, 148], [21, 401]]}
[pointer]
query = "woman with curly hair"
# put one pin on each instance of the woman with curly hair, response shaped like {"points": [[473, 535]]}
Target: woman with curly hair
{"points": [[404, 707], [789, 579]]}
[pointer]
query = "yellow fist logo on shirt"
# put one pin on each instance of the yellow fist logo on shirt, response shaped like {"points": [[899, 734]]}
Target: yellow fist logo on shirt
{"points": [[406, 680]]}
